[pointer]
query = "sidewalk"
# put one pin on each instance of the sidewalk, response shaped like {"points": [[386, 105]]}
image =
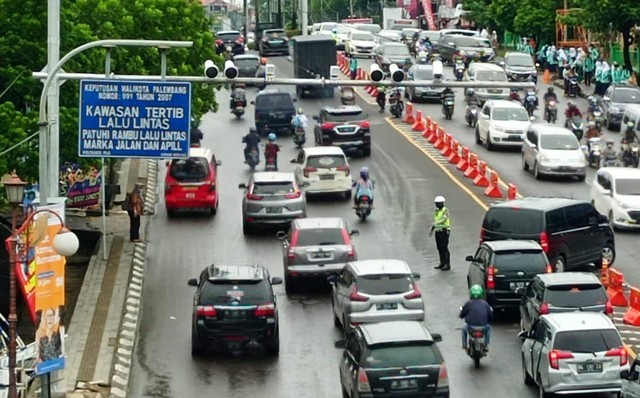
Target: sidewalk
{"points": [[101, 335], [585, 91]]}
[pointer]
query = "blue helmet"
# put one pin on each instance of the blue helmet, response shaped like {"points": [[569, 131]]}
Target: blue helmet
{"points": [[364, 173], [271, 137]]}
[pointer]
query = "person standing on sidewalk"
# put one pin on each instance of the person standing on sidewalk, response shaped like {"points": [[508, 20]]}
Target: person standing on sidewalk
{"points": [[442, 227], [136, 208], [588, 66]]}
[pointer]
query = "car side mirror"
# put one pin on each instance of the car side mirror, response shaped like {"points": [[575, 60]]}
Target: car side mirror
{"points": [[468, 258], [416, 276], [293, 161], [253, 102], [281, 235], [332, 279], [276, 281], [524, 335], [340, 344], [354, 232], [436, 337], [193, 282], [242, 186], [606, 192], [218, 162], [624, 374]]}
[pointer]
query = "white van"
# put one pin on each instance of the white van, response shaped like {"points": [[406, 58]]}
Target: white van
{"points": [[631, 114]]}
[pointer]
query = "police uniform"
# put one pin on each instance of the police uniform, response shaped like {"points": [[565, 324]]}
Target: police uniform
{"points": [[442, 228]]}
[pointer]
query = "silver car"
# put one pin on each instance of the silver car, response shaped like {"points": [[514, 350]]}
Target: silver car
{"points": [[271, 198], [315, 248], [553, 151], [574, 353], [376, 291]]}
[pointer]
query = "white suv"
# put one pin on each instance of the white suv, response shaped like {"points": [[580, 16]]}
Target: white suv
{"points": [[574, 353], [616, 192], [502, 123], [324, 170]]}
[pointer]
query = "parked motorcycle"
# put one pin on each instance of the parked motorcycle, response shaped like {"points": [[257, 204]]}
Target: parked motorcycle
{"points": [[459, 68], [630, 154], [476, 347], [472, 115], [299, 137], [530, 101], [592, 152], [363, 209], [447, 107], [574, 89], [576, 125], [551, 111]]}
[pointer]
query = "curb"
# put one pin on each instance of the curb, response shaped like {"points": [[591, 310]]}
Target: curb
{"points": [[130, 320]]}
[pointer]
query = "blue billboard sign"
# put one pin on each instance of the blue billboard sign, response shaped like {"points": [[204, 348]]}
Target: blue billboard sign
{"points": [[127, 119]]}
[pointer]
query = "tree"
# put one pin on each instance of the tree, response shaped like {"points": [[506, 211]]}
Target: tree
{"points": [[537, 19]]}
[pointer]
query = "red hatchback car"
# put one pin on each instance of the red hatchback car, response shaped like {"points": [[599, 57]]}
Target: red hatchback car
{"points": [[192, 183]]}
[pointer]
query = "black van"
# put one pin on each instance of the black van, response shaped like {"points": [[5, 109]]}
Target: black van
{"points": [[571, 232], [274, 108]]}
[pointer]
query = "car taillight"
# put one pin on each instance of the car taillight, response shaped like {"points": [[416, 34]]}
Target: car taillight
{"points": [[328, 126], [491, 282], [308, 170], [218, 42], [346, 169], [619, 352], [365, 125], [168, 188], [212, 187], [483, 233], [206, 311], [355, 296], [363, 381], [251, 196], [443, 376], [544, 309], [239, 40], [544, 242], [608, 308], [549, 269], [292, 244], [556, 355], [415, 294], [294, 195], [268, 310]]}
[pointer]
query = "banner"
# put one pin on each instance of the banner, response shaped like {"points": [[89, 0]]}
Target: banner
{"points": [[428, 13], [82, 188]]}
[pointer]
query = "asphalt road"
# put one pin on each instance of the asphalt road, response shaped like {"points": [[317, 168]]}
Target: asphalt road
{"points": [[307, 366]]}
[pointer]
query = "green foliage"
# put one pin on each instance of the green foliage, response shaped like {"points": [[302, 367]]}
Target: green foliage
{"points": [[23, 45]]}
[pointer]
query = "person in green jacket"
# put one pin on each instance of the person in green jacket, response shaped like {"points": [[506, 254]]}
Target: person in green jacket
{"points": [[594, 51], [588, 67]]}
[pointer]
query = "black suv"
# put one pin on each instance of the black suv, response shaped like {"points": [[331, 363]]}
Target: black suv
{"points": [[501, 267], [345, 126], [234, 307], [571, 232], [562, 292], [275, 109], [226, 39], [393, 359], [274, 41]]}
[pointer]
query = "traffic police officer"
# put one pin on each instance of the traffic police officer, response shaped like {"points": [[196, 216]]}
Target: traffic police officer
{"points": [[442, 226]]}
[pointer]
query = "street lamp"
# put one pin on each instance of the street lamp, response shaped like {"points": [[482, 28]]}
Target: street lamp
{"points": [[15, 193]]}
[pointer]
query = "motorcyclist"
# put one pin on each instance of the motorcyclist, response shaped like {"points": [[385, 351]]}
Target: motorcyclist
{"points": [[364, 186], [299, 120], [630, 134], [550, 95], [476, 313], [592, 132], [471, 98], [458, 56], [515, 96], [381, 98], [195, 134], [238, 95], [425, 44], [334, 34], [271, 149], [569, 74], [572, 111], [532, 93], [397, 96], [447, 93], [251, 141]]}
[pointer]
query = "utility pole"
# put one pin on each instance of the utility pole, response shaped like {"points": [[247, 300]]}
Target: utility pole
{"points": [[52, 147], [351, 8], [246, 18], [304, 14]]}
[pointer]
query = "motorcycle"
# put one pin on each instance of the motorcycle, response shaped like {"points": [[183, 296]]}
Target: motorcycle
{"points": [[254, 158], [394, 103], [530, 100], [472, 115], [576, 125], [574, 89], [610, 162], [459, 69], [299, 137], [270, 163], [598, 119], [447, 107], [551, 111], [630, 154], [347, 96], [476, 347], [363, 209], [592, 152], [238, 109]]}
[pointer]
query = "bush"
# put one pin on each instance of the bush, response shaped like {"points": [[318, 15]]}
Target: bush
{"points": [[294, 32]]}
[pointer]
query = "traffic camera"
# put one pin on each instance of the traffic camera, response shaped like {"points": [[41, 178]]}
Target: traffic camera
{"points": [[269, 71], [376, 73], [210, 69], [438, 72], [230, 70], [397, 74], [334, 72]]}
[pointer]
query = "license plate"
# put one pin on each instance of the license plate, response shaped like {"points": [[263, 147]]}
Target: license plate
{"points": [[189, 188], [515, 137], [590, 367], [327, 176], [516, 285], [387, 306], [235, 314], [404, 384], [274, 210], [321, 255], [190, 195]]}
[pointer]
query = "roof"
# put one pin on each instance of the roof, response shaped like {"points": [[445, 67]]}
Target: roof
{"points": [[504, 245], [248, 272], [621, 172], [571, 321], [538, 203], [246, 56], [272, 176], [505, 104], [388, 332], [376, 267], [323, 150], [201, 152], [566, 278], [516, 53], [423, 67], [319, 222], [550, 129], [343, 109]]}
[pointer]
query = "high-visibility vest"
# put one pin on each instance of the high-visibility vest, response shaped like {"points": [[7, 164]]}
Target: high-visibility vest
{"points": [[441, 219]]}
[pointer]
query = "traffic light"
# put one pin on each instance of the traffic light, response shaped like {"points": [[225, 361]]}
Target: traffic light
{"points": [[397, 74], [210, 69], [376, 73], [230, 70]]}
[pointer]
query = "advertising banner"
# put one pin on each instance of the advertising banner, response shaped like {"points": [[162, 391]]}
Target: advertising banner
{"points": [[428, 13], [80, 187]]}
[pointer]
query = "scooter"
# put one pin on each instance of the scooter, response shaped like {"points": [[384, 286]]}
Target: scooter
{"points": [[551, 111], [299, 137], [271, 164], [472, 115], [592, 152], [476, 347], [598, 119], [576, 125], [447, 107], [363, 209], [459, 69], [238, 109], [630, 154], [394, 103], [254, 158], [530, 100], [574, 89]]}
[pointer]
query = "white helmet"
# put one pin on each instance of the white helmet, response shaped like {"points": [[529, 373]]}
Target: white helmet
{"points": [[439, 199]]}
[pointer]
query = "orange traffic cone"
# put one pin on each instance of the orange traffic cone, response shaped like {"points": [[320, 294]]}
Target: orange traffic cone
{"points": [[546, 77]]}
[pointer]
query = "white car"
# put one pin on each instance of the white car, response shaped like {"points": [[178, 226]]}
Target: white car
{"points": [[360, 43], [502, 123], [324, 170], [615, 192], [553, 151]]}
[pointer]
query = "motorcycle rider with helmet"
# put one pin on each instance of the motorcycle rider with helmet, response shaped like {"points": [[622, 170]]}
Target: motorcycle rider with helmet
{"points": [[476, 313], [458, 56], [515, 96], [271, 149], [592, 132], [471, 98], [299, 120], [364, 187], [251, 141], [571, 112], [609, 153], [629, 134], [195, 134], [238, 94], [550, 95]]}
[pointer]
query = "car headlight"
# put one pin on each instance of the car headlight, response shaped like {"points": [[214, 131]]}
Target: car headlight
{"points": [[544, 158], [498, 129]]}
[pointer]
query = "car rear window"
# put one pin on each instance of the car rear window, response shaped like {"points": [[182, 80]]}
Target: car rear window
{"points": [[247, 62], [513, 220], [274, 102], [525, 260], [273, 188], [344, 117], [231, 36], [587, 341], [230, 291], [385, 284], [575, 295], [320, 237], [491, 76], [326, 161], [190, 169], [401, 355]]}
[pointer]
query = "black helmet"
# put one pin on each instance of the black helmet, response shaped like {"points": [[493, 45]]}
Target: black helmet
{"points": [[550, 90], [253, 130]]}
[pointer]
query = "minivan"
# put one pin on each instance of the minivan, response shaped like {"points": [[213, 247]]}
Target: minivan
{"points": [[274, 109], [484, 72], [571, 232]]}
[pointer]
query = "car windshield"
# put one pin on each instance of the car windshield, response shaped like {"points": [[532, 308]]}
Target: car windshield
{"points": [[587, 341], [328, 26], [362, 36], [246, 62], [626, 95], [465, 41], [575, 296], [519, 60], [520, 259], [381, 284], [273, 188], [401, 355], [559, 142], [423, 74], [249, 293], [276, 34], [344, 117], [433, 36], [510, 114], [320, 237], [326, 161], [396, 51], [491, 76], [230, 36], [190, 170], [513, 221], [628, 186], [276, 102]]}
